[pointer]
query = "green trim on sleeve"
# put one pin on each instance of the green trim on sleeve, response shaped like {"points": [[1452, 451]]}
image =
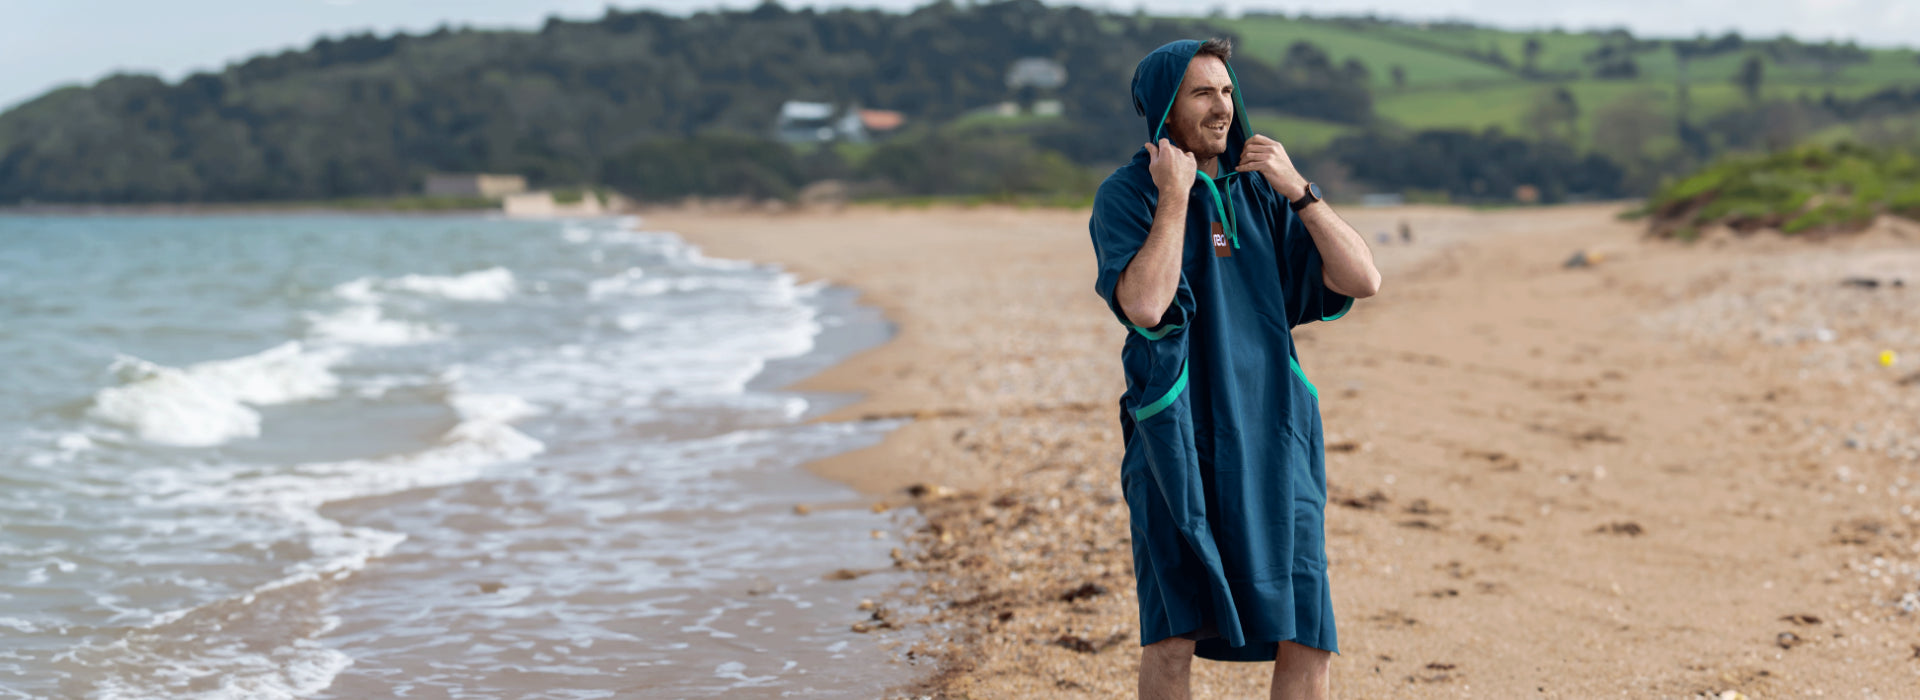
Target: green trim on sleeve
{"points": [[1165, 328], [1344, 308], [1161, 404], [1303, 377]]}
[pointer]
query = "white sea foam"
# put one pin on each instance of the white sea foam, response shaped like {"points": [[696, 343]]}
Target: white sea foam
{"points": [[491, 284], [622, 283], [67, 446], [358, 291], [498, 408], [207, 403], [780, 289], [292, 497], [364, 324], [299, 669]]}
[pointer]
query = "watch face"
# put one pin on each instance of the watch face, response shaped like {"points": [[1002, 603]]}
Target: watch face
{"points": [[1314, 190]]}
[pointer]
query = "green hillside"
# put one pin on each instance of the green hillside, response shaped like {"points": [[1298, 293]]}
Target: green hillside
{"points": [[1459, 76]]}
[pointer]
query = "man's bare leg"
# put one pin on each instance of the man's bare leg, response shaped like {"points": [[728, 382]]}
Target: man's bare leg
{"points": [[1301, 673], [1165, 666]]}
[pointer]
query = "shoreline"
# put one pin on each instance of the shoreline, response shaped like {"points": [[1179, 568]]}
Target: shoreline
{"points": [[1543, 480]]}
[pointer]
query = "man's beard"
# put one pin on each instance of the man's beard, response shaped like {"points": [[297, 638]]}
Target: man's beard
{"points": [[1193, 139]]}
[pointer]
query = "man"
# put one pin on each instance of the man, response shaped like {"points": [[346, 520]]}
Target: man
{"points": [[1212, 247]]}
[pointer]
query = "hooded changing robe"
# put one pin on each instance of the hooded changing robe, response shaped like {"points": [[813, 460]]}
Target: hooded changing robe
{"points": [[1225, 472]]}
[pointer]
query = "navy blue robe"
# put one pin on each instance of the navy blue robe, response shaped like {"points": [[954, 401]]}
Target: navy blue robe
{"points": [[1225, 469]]}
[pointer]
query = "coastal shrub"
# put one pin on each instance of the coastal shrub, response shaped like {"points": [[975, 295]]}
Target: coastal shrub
{"points": [[973, 164], [1811, 188], [710, 164]]}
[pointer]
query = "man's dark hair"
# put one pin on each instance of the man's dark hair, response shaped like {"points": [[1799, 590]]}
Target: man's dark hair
{"points": [[1216, 47]]}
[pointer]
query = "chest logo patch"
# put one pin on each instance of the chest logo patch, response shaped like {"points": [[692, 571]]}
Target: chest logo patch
{"points": [[1221, 248]]}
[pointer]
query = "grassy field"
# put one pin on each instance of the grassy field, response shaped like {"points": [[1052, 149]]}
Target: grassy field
{"points": [[1267, 38], [1451, 83], [1297, 133]]}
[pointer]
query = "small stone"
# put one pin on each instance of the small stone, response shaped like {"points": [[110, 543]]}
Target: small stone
{"points": [[1628, 528], [801, 509], [924, 490], [862, 627], [1085, 590], [879, 507], [866, 604]]}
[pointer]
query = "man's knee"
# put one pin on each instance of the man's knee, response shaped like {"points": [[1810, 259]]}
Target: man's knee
{"points": [[1296, 655], [1169, 651]]}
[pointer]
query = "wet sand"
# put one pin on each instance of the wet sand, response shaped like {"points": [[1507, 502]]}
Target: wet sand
{"points": [[1679, 471]]}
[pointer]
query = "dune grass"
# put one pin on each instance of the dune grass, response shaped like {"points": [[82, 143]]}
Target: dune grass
{"points": [[1810, 189]]}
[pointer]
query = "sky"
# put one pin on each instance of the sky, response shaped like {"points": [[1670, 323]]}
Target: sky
{"points": [[48, 43]]}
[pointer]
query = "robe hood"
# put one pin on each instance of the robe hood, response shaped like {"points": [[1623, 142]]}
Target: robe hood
{"points": [[1156, 81]]}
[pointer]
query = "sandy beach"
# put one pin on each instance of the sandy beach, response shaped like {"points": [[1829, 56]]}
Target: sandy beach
{"points": [[1680, 470]]}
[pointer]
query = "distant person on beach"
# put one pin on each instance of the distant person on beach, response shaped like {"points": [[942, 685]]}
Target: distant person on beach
{"points": [[1211, 248]]}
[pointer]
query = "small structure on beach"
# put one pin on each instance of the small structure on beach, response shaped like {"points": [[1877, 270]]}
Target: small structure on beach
{"points": [[474, 185], [545, 204]]}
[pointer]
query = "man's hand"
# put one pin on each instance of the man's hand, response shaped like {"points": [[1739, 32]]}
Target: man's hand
{"points": [[1172, 168], [1270, 159]]}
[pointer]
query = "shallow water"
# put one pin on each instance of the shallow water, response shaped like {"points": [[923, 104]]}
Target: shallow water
{"points": [[320, 456]]}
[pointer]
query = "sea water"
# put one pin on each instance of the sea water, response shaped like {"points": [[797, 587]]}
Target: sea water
{"points": [[321, 456]]}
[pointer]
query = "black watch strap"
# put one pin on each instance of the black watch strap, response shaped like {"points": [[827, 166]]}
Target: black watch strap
{"points": [[1312, 195]]}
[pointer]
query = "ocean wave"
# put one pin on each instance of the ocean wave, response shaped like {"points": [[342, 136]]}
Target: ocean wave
{"points": [[491, 284], [634, 282], [364, 324], [208, 403]]}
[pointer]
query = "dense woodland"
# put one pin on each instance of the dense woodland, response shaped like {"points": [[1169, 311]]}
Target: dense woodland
{"points": [[663, 107]]}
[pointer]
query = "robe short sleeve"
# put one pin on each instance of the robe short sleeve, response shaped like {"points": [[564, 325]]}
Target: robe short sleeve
{"points": [[1307, 296], [1122, 218]]}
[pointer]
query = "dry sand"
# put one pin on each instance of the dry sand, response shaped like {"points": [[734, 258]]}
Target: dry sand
{"points": [[1678, 472]]}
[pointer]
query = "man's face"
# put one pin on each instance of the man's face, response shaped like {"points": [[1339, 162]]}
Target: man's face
{"points": [[1204, 108]]}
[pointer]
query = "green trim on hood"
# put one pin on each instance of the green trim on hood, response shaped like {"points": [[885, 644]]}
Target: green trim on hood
{"points": [[1221, 205]]}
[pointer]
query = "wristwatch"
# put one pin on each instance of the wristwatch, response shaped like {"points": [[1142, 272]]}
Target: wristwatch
{"points": [[1312, 195]]}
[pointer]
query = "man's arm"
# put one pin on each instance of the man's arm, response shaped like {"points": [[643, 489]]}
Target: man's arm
{"points": [[1346, 263], [1147, 286]]}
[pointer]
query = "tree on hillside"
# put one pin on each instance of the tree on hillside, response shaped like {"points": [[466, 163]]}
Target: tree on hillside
{"points": [[1554, 116], [1531, 56], [1614, 62], [1626, 131], [1307, 83], [1752, 73]]}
